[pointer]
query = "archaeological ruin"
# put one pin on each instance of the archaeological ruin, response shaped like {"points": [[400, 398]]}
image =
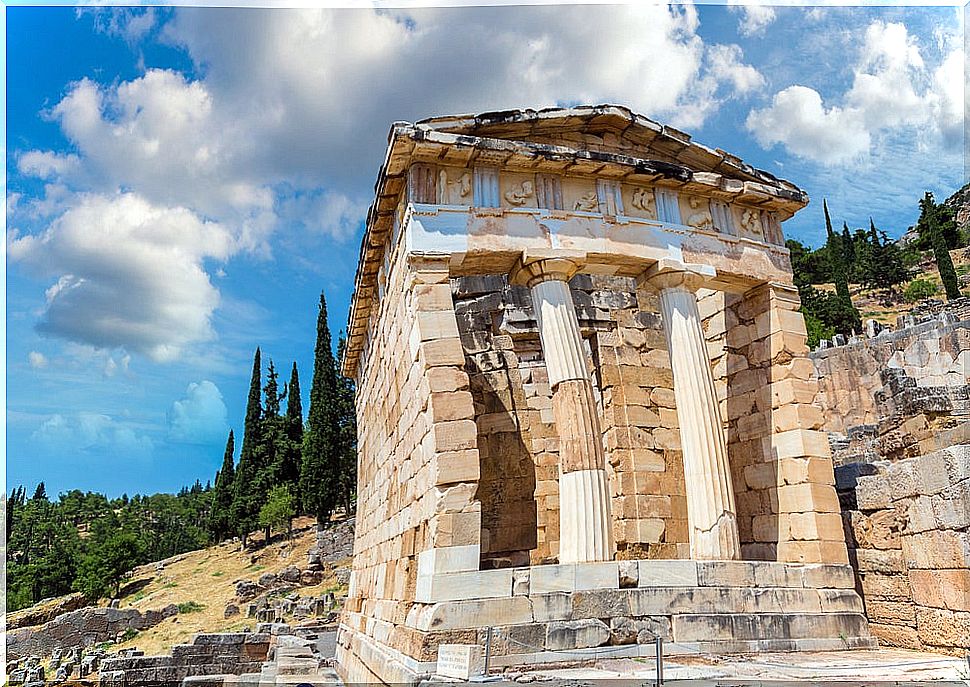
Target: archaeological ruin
{"points": [[585, 404]]}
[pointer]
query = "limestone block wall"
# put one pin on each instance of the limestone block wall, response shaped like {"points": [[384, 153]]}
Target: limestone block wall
{"points": [[853, 380], [907, 525], [780, 461], [417, 444], [517, 438]]}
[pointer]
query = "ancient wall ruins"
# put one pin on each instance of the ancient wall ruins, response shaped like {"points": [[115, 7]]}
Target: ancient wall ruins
{"points": [[897, 404]]}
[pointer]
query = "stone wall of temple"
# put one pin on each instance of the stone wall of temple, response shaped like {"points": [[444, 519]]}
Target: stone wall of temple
{"points": [[517, 438], [418, 461]]}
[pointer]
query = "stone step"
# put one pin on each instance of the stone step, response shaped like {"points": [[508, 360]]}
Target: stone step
{"points": [[763, 626], [297, 666]]}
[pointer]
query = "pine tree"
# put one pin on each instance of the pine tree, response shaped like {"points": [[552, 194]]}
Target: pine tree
{"points": [[40, 493], [319, 467], [294, 434], [219, 522], [887, 267], [933, 225], [246, 497]]}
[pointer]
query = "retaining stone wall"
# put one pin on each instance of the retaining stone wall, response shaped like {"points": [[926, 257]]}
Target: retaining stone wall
{"points": [[907, 526]]}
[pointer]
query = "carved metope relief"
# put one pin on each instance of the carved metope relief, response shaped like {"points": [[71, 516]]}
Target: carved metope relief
{"points": [[457, 192], [700, 214], [520, 194], [751, 224], [644, 201], [587, 202]]}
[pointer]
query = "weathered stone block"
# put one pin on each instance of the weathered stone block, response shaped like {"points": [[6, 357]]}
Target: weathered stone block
{"points": [[576, 634], [881, 561], [478, 584], [667, 573], [694, 628], [602, 603], [896, 635], [451, 615], [943, 627], [826, 576], [726, 573], [448, 559], [628, 573], [840, 600], [552, 606]]}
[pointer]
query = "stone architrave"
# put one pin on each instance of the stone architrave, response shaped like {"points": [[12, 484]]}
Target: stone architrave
{"points": [[585, 523], [711, 511]]}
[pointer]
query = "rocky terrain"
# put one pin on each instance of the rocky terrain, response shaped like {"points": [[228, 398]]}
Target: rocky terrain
{"points": [[173, 605]]}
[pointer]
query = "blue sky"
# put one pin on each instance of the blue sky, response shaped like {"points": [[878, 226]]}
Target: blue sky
{"points": [[182, 183]]}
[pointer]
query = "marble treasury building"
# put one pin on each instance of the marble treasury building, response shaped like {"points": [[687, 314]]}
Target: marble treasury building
{"points": [[585, 403]]}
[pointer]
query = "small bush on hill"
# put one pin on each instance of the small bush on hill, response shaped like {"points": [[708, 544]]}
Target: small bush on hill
{"points": [[918, 289], [190, 607]]}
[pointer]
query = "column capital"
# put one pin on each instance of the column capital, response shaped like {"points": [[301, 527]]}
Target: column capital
{"points": [[531, 270], [672, 274]]}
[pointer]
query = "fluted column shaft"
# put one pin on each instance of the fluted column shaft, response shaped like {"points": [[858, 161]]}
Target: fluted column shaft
{"points": [[585, 524], [711, 512]]}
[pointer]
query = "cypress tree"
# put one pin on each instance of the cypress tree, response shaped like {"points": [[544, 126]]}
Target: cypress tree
{"points": [[222, 493], [887, 268], [246, 501], [319, 486], [932, 225], [348, 432], [849, 316], [272, 446], [294, 434], [848, 251]]}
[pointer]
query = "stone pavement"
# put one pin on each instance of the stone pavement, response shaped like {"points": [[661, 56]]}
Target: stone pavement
{"points": [[845, 667]]}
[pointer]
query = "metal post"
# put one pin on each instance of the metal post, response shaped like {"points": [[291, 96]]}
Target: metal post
{"points": [[660, 661], [488, 650]]}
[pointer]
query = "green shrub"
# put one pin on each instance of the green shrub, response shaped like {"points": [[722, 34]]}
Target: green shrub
{"points": [[129, 634], [918, 289], [190, 607]]}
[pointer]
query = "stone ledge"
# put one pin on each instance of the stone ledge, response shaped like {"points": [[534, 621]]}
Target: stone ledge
{"points": [[543, 579]]}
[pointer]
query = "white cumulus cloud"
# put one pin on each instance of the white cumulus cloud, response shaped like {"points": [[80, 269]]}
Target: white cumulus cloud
{"points": [[93, 433], [199, 417], [37, 360], [893, 90], [129, 274], [798, 119], [755, 19]]}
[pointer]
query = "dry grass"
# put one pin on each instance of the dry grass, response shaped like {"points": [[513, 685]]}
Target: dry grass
{"points": [[207, 578]]}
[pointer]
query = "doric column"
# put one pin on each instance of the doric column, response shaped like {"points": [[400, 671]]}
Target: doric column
{"points": [[585, 525], [711, 513]]}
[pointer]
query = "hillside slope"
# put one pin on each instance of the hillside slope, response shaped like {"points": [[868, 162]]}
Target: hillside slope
{"points": [[203, 584]]}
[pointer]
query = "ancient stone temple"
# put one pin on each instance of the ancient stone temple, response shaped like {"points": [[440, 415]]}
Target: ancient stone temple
{"points": [[584, 403]]}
